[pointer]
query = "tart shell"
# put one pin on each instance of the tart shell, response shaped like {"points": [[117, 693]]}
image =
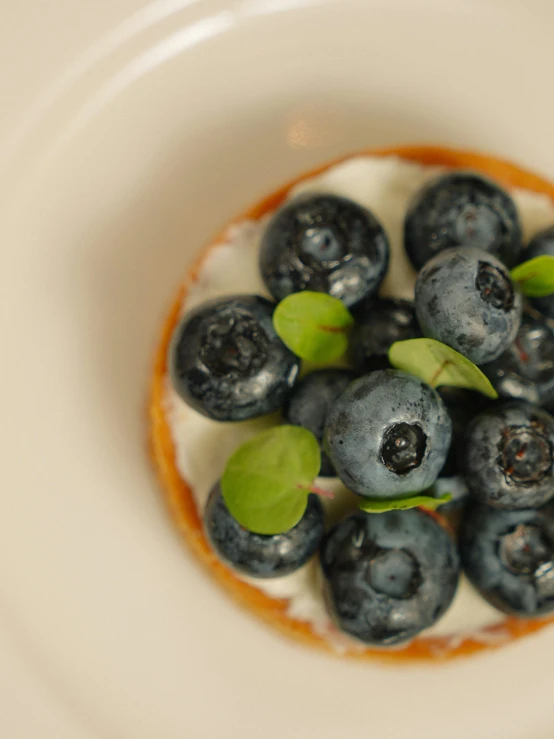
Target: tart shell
{"points": [[180, 498]]}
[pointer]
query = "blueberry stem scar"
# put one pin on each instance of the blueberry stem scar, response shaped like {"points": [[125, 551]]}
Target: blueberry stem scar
{"points": [[318, 491], [521, 453], [434, 380]]}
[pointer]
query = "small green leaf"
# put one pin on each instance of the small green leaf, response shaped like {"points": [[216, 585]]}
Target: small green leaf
{"points": [[535, 277], [267, 479], [313, 325], [375, 505], [438, 364]]}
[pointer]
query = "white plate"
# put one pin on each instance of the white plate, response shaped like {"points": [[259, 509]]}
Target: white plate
{"points": [[115, 177]]}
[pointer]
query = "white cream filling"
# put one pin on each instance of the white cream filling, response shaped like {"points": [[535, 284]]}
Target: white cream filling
{"points": [[385, 186]]}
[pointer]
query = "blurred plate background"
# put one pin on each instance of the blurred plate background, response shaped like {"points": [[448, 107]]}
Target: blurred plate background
{"points": [[129, 134]]}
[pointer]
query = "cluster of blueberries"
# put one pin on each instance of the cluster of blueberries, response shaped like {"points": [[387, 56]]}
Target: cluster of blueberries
{"points": [[386, 433]]}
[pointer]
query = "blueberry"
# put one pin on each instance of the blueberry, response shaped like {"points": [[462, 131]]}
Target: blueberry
{"points": [[542, 245], [383, 322], [525, 371], [388, 434], [227, 362], [260, 555], [462, 406], [462, 209], [509, 557], [388, 576], [309, 404], [327, 244], [465, 298], [507, 456]]}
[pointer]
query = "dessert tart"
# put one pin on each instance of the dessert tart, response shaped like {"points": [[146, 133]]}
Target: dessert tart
{"points": [[393, 199]]}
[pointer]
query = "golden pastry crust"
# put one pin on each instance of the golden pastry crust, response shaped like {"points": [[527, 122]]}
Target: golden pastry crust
{"points": [[179, 496]]}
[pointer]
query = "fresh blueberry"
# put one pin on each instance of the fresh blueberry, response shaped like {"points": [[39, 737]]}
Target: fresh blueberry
{"points": [[387, 435], [327, 244], [227, 362], [507, 456], [542, 245], [384, 321], [509, 557], [462, 405], [388, 576], [260, 555], [525, 371], [310, 402], [462, 209], [465, 298]]}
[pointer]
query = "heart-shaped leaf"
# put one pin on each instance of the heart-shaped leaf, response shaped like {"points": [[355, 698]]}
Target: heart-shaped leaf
{"points": [[438, 364], [267, 480], [313, 325], [535, 277], [374, 505]]}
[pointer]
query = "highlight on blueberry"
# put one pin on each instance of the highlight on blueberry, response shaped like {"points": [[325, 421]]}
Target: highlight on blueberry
{"points": [[310, 402], [508, 456], [259, 555], [387, 435], [227, 362], [388, 576], [324, 243], [465, 298], [509, 557], [462, 209]]}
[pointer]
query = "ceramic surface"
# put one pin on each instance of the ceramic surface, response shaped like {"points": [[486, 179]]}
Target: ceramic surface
{"points": [[129, 135]]}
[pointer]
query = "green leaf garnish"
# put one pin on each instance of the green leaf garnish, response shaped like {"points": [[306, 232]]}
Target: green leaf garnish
{"points": [[535, 277], [313, 325], [438, 364], [375, 505], [267, 480]]}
